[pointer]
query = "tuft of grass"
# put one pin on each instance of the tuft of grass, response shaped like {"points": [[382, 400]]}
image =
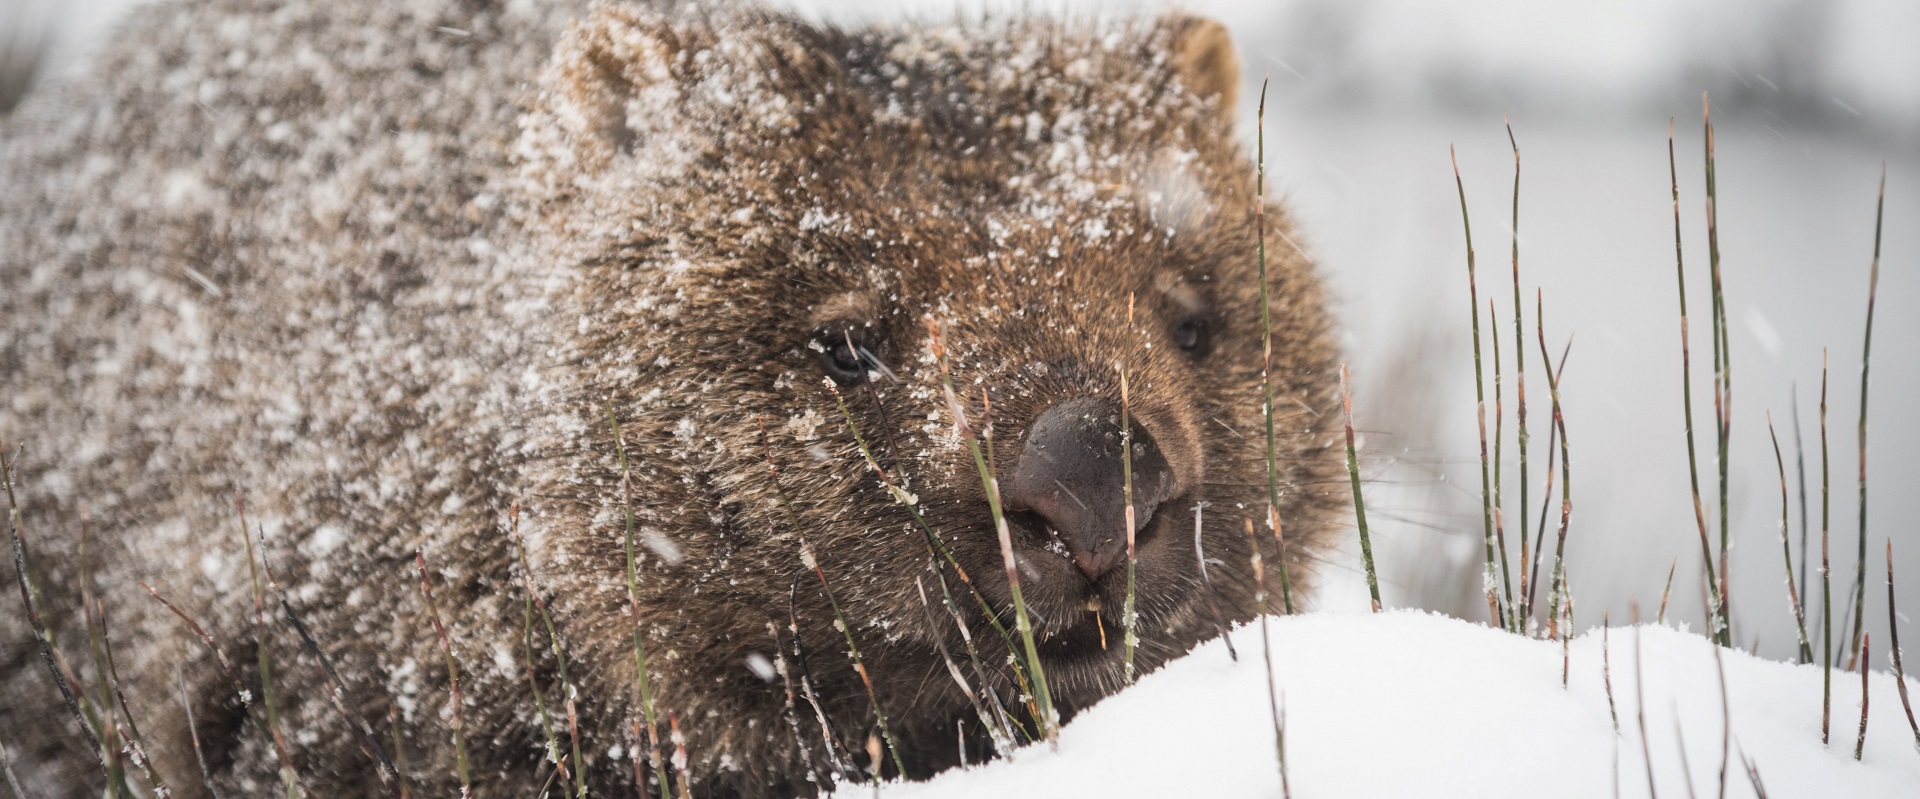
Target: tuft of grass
{"points": [[1893, 649], [1266, 341], [1489, 503], [453, 677], [1786, 549], [1049, 719], [1353, 474], [642, 681], [1866, 361], [111, 733]]}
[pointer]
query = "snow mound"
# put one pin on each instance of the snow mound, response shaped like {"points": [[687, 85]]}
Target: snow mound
{"points": [[1412, 704]]}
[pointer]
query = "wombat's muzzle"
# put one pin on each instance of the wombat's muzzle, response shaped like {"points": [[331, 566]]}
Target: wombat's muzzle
{"points": [[1072, 474]]}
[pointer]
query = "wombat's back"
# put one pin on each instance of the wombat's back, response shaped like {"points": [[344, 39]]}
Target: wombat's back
{"points": [[259, 250]]}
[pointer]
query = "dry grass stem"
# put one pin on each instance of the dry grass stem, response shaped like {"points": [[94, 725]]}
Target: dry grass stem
{"points": [[453, 677], [1893, 650], [1786, 549], [1866, 361], [1206, 584]]}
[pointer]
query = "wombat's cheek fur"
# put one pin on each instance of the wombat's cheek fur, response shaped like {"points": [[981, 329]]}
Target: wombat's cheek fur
{"points": [[647, 307]]}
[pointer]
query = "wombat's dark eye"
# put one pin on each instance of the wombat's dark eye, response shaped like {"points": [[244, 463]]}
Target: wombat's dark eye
{"points": [[1193, 335], [842, 356]]}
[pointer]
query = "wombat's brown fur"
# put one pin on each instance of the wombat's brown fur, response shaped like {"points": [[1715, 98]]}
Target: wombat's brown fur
{"points": [[385, 269]]}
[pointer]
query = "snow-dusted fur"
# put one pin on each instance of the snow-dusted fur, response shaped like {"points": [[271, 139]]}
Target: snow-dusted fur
{"points": [[381, 268]]}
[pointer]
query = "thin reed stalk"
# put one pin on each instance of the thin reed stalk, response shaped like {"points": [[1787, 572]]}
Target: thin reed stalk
{"points": [[399, 751], [1566, 465], [30, 599], [13, 780], [111, 734], [1640, 702], [1266, 649], [1530, 570], [1489, 489], [1353, 474], [1686, 394], [1860, 745], [1130, 637], [1266, 344], [1499, 509], [453, 677], [1800, 466], [1664, 591], [1520, 384], [641, 679], [336, 687], [193, 732], [1893, 649], [536, 601], [1866, 361], [263, 637], [1606, 669], [1722, 364], [1049, 719], [812, 562], [1786, 549], [1826, 571]]}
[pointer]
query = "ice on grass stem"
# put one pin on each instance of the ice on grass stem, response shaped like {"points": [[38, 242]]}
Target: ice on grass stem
{"points": [[1353, 475]]}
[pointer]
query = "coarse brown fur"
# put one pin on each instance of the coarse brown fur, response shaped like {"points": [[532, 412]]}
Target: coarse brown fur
{"points": [[384, 270]]}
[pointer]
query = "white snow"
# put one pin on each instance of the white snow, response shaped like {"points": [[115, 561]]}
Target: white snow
{"points": [[1406, 703]]}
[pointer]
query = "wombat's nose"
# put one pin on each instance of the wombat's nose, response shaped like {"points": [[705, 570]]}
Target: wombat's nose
{"points": [[1072, 474]]}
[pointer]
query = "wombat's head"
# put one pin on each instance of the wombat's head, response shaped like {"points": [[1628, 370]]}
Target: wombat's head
{"points": [[766, 222]]}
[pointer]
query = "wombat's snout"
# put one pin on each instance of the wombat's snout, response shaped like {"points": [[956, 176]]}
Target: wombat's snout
{"points": [[1072, 474]]}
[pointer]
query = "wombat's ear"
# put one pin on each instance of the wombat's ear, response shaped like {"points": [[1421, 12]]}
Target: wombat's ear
{"points": [[1205, 60]]}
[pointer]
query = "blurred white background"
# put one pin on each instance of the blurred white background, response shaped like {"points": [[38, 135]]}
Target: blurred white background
{"points": [[1810, 98]]}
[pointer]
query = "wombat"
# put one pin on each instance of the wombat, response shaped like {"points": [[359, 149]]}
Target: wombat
{"points": [[311, 307]]}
